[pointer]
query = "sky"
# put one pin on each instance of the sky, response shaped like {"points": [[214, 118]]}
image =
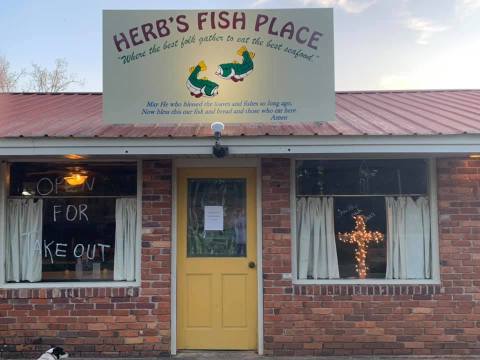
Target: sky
{"points": [[379, 44]]}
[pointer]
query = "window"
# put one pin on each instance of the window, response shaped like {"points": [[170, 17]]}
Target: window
{"points": [[225, 202], [363, 219], [71, 223]]}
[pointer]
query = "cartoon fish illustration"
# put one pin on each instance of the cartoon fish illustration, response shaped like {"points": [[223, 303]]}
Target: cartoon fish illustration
{"points": [[235, 70], [201, 87]]}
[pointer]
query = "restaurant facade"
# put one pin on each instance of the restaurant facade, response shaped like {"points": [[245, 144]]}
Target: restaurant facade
{"points": [[358, 236]]}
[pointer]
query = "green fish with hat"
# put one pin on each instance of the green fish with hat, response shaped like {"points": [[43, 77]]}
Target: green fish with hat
{"points": [[235, 70], [199, 87]]}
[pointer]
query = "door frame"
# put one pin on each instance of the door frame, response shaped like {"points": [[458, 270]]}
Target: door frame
{"points": [[220, 163]]}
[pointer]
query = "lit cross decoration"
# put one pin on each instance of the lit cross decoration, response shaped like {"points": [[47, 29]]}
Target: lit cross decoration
{"points": [[361, 237]]}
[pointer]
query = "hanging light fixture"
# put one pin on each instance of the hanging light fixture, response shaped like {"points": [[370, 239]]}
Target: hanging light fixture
{"points": [[76, 179], [74, 157]]}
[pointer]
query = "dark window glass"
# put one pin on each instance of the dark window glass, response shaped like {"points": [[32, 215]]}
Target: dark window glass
{"points": [[221, 202], [373, 208], [78, 239], [361, 177], [41, 179]]}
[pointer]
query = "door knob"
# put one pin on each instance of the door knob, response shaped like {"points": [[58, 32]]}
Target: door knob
{"points": [[251, 264]]}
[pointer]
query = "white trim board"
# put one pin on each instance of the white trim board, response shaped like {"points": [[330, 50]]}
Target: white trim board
{"points": [[366, 282], [260, 320], [4, 176], [173, 266], [258, 145], [71, 285]]}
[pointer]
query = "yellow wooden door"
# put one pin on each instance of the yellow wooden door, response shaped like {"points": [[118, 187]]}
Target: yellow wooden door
{"points": [[216, 259]]}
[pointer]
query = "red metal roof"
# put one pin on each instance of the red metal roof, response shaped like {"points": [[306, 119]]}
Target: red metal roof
{"points": [[444, 112]]}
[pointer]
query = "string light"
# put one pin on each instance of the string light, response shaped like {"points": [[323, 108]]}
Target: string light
{"points": [[361, 237]]}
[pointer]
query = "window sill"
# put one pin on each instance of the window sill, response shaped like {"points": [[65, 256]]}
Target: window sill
{"points": [[71, 285], [357, 282], [345, 289]]}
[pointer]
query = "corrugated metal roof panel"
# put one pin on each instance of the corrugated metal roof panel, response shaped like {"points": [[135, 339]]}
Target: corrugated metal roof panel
{"points": [[445, 112]]}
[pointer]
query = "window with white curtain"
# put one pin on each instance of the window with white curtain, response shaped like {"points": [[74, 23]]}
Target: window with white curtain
{"points": [[71, 222], [363, 219]]}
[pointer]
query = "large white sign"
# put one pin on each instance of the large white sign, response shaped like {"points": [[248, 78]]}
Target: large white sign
{"points": [[218, 65]]}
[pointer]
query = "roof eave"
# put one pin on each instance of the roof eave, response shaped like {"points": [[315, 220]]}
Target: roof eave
{"points": [[239, 146]]}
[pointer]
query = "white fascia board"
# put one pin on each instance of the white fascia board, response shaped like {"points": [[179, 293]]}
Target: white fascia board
{"points": [[259, 145]]}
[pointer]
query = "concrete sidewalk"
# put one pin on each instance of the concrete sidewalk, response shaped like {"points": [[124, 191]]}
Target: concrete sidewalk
{"points": [[246, 355], [241, 355]]}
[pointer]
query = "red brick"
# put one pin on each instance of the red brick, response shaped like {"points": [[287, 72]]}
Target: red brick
{"points": [[400, 320], [299, 319], [83, 320]]}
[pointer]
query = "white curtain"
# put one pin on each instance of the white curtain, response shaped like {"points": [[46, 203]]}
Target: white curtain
{"points": [[23, 259], [408, 238], [125, 239], [317, 252]]}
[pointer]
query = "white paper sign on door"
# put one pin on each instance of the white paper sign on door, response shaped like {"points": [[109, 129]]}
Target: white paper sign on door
{"points": [[213, 218]]}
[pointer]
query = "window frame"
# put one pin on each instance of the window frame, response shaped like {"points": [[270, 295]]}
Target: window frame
{"points": [[4, 195], [432, 197]]}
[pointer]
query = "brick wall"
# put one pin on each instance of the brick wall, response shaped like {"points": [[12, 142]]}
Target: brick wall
{"points": [[366, 320], [102, 321], [299, 320]]}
